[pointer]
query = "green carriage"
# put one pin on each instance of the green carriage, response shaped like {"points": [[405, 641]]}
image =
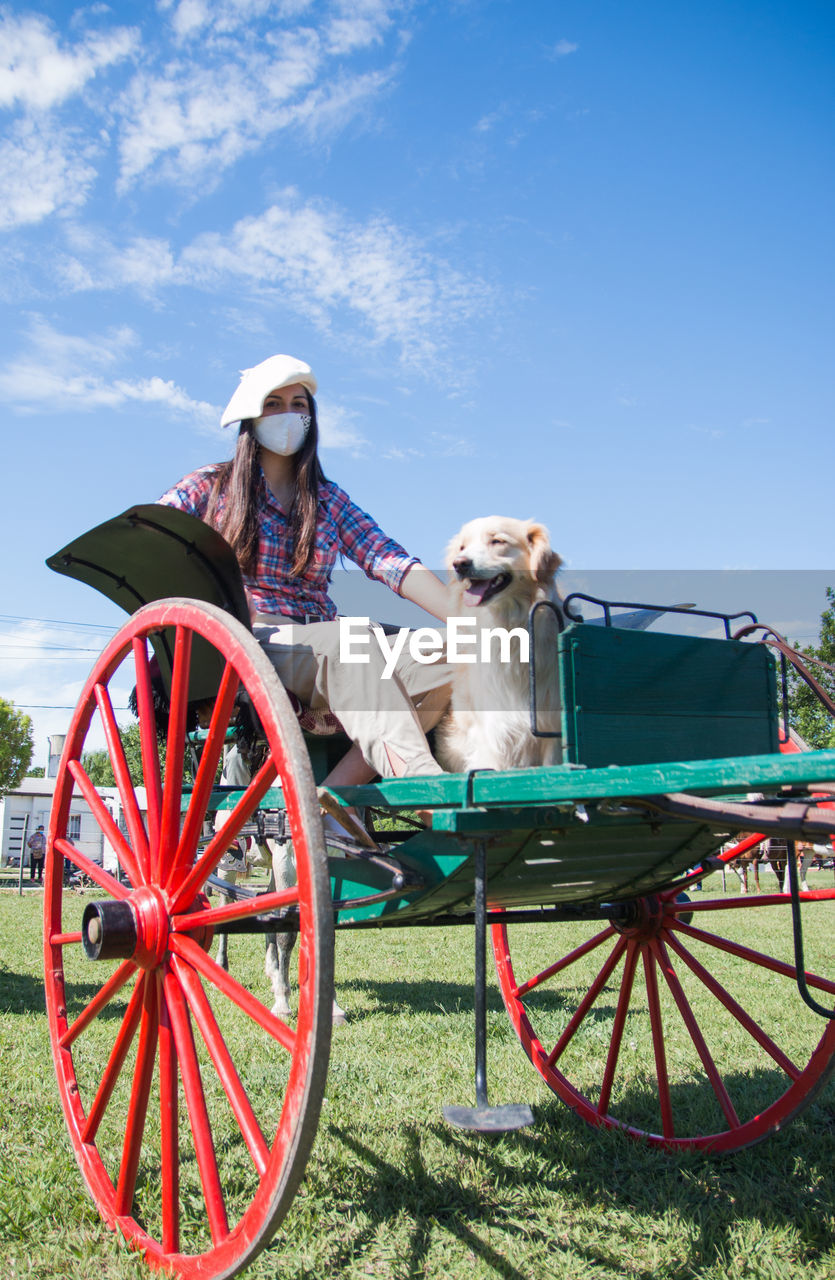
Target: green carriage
{"points": [[583, 873]]}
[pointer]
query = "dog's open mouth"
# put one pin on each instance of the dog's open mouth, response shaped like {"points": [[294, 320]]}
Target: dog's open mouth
{"points": [[480, 590]]}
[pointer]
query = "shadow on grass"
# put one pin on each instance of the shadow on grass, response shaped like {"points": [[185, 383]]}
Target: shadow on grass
{"points": [[391, 1190], [442, 998], [24, 993], [435, 997], [20, 992], [784, 1184]]}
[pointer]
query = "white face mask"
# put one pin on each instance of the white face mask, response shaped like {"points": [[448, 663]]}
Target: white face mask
{"points": [[283, 433]]}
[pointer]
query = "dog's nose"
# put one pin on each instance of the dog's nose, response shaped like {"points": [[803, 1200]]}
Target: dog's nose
{"points": [[463, 566]]}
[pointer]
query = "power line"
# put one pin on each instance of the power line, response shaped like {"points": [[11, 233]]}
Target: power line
{"points": [[43, 657], [46, 706], [25, 644], [58, 622]]}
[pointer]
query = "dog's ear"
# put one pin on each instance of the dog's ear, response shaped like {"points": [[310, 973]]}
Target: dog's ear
{"points": [[544, 560]]}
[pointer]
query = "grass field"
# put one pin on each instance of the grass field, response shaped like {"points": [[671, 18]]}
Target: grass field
{"points": [[392, 1191]]}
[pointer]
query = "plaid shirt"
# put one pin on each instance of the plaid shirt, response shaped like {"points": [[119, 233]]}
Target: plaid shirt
{"points": [[341, 528]]}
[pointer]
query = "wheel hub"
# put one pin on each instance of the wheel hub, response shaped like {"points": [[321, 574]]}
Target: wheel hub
{"points": [[642, 918], [134, 928]]}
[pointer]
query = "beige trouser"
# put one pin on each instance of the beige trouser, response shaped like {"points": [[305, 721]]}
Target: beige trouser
{"points": [[376, 713]]}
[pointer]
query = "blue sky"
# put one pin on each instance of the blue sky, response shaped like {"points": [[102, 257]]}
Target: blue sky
{"points": [[570, 261]]}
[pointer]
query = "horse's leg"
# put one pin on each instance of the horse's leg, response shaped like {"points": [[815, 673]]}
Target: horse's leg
{"points": [[277, 973], [280, 945], [741, 870], [805, 861], [230, 877], [755, 867]]}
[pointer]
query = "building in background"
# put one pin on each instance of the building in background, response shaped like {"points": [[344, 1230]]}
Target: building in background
{"points": [[23, 810]]}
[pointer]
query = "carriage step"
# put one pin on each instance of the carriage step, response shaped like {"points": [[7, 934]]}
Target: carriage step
{"points": [[514, 1115]]}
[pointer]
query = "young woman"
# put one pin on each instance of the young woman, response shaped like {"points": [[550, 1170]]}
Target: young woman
{"points": [[287, 523]]}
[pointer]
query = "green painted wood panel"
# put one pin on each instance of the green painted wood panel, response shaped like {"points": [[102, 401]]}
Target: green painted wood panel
{"points": [[636, 697]]}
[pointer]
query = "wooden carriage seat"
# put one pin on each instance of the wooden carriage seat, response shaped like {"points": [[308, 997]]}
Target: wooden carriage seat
{"points": [[151, 552]]}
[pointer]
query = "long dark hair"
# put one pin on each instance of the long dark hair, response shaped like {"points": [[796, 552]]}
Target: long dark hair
{"points": [[233, 509]]}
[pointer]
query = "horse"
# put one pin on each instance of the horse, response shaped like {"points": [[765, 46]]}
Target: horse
{"points": [[774, 852], [277, 855]]}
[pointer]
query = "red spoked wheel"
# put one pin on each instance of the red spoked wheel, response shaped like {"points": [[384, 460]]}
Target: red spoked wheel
{"points": [[680, 1025], [191, 1107]]}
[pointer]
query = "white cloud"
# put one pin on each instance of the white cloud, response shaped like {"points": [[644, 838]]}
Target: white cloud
{"points": [[244, 71], [79, 373], [144, 263], [397, 454], [357, 24], [43, 170], [562, 49], [321, 263], [246, 82], [312, 258], [44, 669], [203, 118], [35, 73], [451, 446], [222, 16], [336, 430], [489, 121]]}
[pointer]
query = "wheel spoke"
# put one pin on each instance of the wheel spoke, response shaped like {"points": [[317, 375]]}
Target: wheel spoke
{"points": [[220, 842], [587, 1002], [238, 1100], [121, 772], [169, 1126], [694, 1032], [148, 740], [748, 900], [123, 1042], [105, 822], [755, 957], [212, 748], [174, 754], [198, 1115], [657, 1029], [743, 846], [236, 910], [566, 960], [140, 1092], [114, 984], [93, 869], [209, 969], [743, 1018], [627, 979]]}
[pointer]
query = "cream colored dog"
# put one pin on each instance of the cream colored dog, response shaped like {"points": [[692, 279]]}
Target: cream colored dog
{"points": [[499, 568]]}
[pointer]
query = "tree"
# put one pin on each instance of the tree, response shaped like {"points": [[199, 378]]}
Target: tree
{"points": [[36, 771], [807, 714], [16, 746]]}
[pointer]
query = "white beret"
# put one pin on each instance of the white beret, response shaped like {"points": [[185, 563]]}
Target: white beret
{"points": [[257, 383]]}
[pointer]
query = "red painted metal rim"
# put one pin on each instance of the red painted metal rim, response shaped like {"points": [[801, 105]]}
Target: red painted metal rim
{"points": [[168, 1009]]}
